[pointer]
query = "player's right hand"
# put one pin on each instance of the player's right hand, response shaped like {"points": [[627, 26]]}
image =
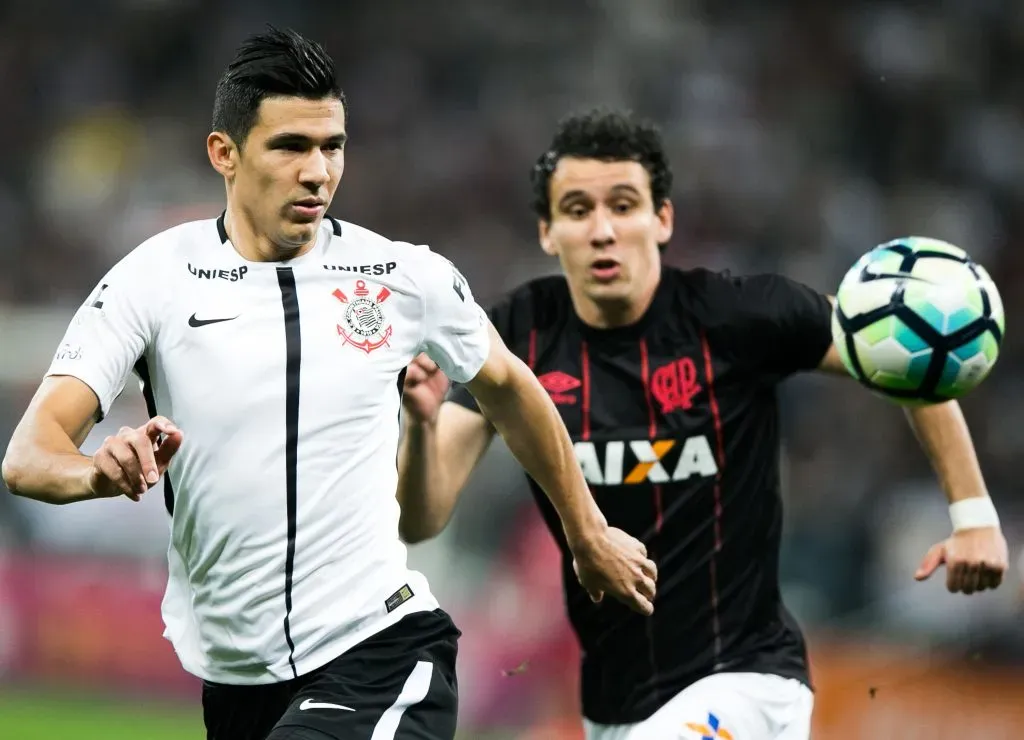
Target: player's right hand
{"points": [[425, 388], [615, 563], [131, 461]]}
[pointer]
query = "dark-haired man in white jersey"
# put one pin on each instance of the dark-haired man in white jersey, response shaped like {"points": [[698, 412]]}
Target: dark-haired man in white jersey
{"points": [[272, 344]]}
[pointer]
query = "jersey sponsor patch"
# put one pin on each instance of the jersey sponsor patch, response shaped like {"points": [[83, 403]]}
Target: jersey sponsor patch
{"points": [[398, 598], [232, 276], [631, 462], [710, 730], [381, 268], [365, 326]]}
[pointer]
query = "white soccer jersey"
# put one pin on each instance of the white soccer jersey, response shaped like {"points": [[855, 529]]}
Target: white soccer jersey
{"points": [[285, 379]]}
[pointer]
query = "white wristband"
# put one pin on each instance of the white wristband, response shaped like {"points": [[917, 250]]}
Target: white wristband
{"points": [[971, 513]]}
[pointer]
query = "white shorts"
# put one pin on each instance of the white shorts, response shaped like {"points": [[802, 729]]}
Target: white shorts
{"points": [[725, 706]]}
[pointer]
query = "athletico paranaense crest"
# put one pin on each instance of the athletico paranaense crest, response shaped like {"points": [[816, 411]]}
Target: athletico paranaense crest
{"points": [[364, 318]]}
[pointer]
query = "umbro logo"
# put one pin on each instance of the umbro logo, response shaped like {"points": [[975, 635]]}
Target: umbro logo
{"points": [[558, 385], [310, 704], [196, 323]]}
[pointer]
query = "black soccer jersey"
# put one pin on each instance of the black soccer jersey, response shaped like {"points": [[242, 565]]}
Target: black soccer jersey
{"points": [[675, 424]]}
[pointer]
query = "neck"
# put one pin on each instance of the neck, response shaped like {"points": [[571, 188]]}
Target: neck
{"points": [[611, 314], [254, 245]]}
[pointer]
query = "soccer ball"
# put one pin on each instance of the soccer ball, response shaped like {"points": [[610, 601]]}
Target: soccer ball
{"points": [[917, 321]]}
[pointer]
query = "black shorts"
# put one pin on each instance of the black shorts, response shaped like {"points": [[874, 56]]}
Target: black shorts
{"points": [[398, 684]]}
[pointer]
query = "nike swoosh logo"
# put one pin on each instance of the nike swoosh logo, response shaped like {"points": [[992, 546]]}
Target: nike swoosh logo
{"points": [[869, 275], [310, 704], [195, 323]]}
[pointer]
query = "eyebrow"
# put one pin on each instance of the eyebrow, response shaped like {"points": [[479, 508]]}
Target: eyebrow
{"points": [[615, 190], [571, 195], [625, 189], [287, 138]]}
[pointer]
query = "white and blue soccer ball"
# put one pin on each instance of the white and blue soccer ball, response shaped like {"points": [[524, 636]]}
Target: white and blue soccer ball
{"points": [[918, 321]]}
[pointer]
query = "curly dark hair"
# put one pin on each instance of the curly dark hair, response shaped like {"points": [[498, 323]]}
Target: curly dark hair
{"points": [[609, 135]]}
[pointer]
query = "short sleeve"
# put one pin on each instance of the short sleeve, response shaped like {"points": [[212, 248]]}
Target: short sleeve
{"points": [[509, 317], [781, 326], [456, 328], [108, 334], [459, 393]]}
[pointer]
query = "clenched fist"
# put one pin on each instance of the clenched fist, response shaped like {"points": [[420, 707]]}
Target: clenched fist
{"points": [[616, 563], [425, 388], [130, 462]]}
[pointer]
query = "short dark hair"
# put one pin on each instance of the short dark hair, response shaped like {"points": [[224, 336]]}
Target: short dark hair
{"points": [[266, 65], [611, 136]]}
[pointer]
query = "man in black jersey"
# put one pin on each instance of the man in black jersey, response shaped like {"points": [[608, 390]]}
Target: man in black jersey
{"points": [[666, 381]]}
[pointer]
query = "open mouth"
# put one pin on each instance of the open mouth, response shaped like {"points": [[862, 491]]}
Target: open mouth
{"points": [[605, 269]]}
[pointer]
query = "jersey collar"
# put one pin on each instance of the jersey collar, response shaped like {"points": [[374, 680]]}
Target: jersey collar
{"points": [[657, 311], [222, 234]]}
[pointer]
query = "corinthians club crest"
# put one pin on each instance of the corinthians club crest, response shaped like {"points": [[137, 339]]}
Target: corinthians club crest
{"points": [[364, 318]]}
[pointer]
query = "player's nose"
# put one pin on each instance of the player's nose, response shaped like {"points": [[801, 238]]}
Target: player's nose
{"points": [[315, 172], [602, 231]]}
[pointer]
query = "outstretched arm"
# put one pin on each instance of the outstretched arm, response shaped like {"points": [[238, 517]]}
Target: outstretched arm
{"points": [[975, 555], [944, 436], [786, 328]]}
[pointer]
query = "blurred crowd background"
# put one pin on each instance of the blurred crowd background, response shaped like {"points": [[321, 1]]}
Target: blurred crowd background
{"points": [[802, 133]]}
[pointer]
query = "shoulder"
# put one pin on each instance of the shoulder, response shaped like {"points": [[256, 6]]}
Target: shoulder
{"points": [[417, 262], [151, 262], [545, 300], [359, 236], [719, 297], [537, 305], [777, 323], [702, 285]]}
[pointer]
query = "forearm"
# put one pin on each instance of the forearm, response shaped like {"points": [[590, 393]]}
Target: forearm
{"points": [[943, 434], [53, 477], [423, 493], [43, 460], [524, 415]]}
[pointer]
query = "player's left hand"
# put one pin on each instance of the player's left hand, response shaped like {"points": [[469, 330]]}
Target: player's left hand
{"points": [[616, 564], [975, 560]]}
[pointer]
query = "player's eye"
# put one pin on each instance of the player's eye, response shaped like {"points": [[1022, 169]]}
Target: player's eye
{"points": [[623, 206], [577, 211], [334, 146], [295, 144]]}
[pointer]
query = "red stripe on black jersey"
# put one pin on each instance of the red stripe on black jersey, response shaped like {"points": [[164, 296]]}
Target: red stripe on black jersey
{"points": [[585, 370], [716, 417], [645, 379]]}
